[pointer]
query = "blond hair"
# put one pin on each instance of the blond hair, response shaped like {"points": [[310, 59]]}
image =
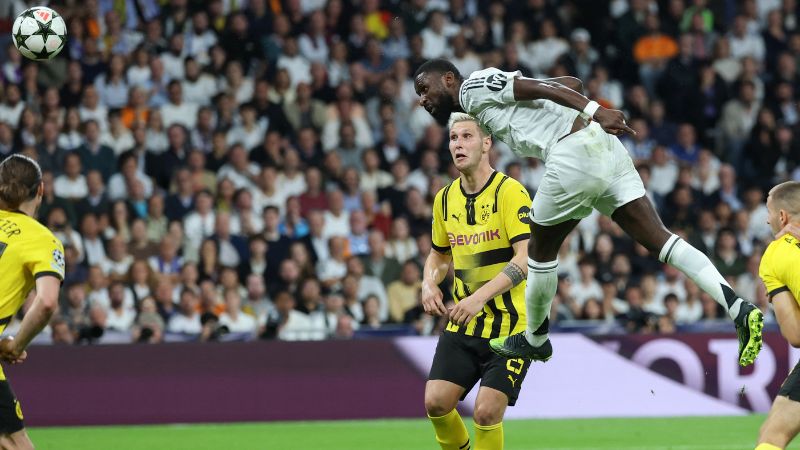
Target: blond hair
{"points": [[786, 196], [464, 117]]}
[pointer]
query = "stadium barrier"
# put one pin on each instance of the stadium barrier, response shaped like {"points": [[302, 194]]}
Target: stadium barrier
{"points": [[606, 376]]}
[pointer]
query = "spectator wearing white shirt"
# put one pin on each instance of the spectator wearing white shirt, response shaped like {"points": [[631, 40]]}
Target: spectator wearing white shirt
{"points": [[369, 285], [463, 58], [337, 219], [285, 322], [543, 53], [245, 219], [198, 88], [236, 83], [173, 59], [401, 246], [313, 44], [93, 246], [92, 109], [664, 172], [199, 224], [117, 136], [239, 170], [111, 86], [745, 43], [120, 183], [250, 132], [331, 270], [70, 137], [587, 286], [187, 319], [119, 317], [325, 319], [291, 180], [234, 318], [200, 39], [268, 192], [176, 110], [295, 63], [71, 184], [11, 109], [435, 35], [138, 74]]}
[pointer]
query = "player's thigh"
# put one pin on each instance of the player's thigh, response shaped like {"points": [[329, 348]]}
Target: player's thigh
{"points": [[490, 406], [783, 422], [503, 374], [639, 219], [455, 369], [546, 240], [18, 440]]}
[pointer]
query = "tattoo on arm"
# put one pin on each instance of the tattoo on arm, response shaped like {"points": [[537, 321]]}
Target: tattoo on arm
{"points": [[515, 273]]}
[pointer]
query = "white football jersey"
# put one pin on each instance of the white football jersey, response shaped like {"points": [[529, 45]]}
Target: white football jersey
{"points": [[529, 128]]}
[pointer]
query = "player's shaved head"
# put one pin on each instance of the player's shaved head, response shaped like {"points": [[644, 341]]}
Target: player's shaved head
{"points": [[438, 66], [786, 196], [459, 117]]}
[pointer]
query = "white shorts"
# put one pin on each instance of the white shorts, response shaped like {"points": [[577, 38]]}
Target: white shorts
{"points": [[587, 169]]}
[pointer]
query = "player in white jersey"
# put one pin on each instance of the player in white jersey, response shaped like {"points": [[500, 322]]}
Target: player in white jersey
{"points": [[586, 167]]}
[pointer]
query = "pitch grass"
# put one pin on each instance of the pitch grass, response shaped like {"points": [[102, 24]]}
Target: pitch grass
{"points": [[707, 433]]}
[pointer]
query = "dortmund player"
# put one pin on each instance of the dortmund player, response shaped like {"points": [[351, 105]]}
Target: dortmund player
{"points": [[780, 275], [481, 224], [30, 256]]}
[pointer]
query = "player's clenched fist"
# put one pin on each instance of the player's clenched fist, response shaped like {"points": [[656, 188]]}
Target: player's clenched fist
{"points": [[432, 299], [613, 121]]}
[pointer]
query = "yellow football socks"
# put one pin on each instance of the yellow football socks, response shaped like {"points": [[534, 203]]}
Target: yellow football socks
{"points": [[489, 437], [768, 447], [451, 433]]}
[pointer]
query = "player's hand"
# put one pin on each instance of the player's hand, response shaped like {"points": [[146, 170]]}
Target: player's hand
{"points": [[465, 310], [790, 228], [9, 353], [613, 121], [432, 299]]}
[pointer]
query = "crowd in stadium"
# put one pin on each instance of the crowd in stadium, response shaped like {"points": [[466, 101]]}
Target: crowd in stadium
{"points": [[260, 168]]}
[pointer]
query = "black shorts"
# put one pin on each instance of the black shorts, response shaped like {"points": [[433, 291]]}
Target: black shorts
{"points": [[464, 360], [10, 411], [791, 386]]}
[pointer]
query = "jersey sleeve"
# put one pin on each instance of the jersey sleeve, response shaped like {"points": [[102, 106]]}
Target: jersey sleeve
{"points": [[46, 257], [440, 241], [770, 271], [516, 208], [487, 88]]}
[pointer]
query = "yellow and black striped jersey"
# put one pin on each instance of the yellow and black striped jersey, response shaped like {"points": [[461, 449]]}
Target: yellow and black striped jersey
{"points": [[28, 250], [479, 229], [778, 269]]}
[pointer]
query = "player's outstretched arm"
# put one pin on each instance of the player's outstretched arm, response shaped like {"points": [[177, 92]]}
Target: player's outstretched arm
{"points": [[38, 316], [573, 83], [611, 120], [436, 267], [513, 274], [788, 314]]}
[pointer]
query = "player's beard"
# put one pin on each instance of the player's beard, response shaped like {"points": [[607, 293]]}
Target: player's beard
{"points": [[442, 115]]}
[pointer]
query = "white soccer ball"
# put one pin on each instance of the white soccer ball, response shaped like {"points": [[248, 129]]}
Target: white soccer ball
{"points": [[39, 33]]}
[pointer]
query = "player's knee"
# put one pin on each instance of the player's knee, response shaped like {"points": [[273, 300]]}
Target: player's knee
{"points": [[437, 405], [486, 414]]}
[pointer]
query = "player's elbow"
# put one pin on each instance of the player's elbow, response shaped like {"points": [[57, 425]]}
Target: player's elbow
{"points": [[573, 83], [48, 304]]}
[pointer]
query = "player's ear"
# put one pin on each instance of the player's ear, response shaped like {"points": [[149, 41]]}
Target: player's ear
{"points": [[783, 217]]}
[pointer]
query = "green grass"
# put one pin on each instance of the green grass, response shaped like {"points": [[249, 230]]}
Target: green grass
{"points": [[715, 433]]}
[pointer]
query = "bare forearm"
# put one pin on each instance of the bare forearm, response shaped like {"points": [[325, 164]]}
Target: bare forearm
{"points": [[436, 267], [530, 89], [513, 274], [573, 83], [32, 324]]}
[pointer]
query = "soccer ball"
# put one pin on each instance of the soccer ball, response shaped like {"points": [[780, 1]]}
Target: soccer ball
{"points": [[39, 33]]}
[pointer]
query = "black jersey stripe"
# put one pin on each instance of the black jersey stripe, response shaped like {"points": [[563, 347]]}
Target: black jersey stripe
{"points": [[497, 322], [497, 192], [444, 201], [513, 316]]}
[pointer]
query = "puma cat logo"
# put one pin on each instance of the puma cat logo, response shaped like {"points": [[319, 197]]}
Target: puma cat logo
{"points": [[513, 381]]}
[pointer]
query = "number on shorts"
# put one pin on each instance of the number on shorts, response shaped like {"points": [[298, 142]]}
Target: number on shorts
{"points": [[515, 365]]}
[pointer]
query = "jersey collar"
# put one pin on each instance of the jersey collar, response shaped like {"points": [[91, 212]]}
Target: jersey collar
{"points": [[488, 183]]}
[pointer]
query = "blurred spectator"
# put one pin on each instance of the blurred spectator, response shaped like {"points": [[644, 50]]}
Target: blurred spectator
{"points": [[234, 318], [186, 320], [403, 293]]}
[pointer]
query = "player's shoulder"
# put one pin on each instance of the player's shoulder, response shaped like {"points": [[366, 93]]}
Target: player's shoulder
{"points": [[785, 246], [507, 185]]}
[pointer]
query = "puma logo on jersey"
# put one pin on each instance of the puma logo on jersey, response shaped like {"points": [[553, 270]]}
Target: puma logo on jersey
{"points": [[457, 217], [513, 381]]}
